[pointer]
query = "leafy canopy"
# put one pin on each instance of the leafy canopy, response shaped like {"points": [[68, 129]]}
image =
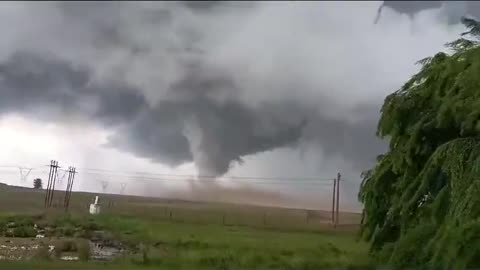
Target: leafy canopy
{"points": [[422, 199], [37, 183]]}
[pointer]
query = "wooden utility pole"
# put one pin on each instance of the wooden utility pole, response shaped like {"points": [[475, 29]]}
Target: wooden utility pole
{"points": [[54, 180], [47, 194], [333, 200], [69, 179], [51, 183], [338, 198], [68, 190]]}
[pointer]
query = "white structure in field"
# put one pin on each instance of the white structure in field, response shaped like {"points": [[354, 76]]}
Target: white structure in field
{"points": [[95, 207]]}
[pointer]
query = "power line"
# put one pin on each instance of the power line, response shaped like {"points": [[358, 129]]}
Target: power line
{"points": [[219, 179], [206, 176], [143, 176], [197, 177], [167, 179]]}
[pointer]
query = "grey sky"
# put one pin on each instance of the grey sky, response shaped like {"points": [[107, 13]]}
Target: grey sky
{"points": [[213, 83]]}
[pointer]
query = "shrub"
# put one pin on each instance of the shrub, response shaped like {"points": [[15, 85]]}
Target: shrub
{"points": [[42, 252], [67, 231], [91, 226], [83, 248], [24, 231], [64, 246]]}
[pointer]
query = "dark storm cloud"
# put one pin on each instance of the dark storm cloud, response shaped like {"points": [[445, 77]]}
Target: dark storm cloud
{"points": [[33, 85], [36, 85], [148, 72]]}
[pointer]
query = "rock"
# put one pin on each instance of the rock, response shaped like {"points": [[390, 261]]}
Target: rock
{"points": [[69, 258], [40, 236], [9, 233]]}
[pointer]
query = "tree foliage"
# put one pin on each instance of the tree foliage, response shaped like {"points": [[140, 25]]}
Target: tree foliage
{"points": [[37, 183], [422, 199]]}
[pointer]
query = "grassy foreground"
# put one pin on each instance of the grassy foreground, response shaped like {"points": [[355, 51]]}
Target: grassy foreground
{"points": [[194, 246]]}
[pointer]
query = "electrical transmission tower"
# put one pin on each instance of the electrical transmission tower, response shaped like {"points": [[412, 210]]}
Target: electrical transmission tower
{"points": [[60, 179], [122, 187], [24, 175], [104, 186]]}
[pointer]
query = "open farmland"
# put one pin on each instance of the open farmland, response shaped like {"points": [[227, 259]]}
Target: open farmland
{"points": [[26, 200], [189, 235]]}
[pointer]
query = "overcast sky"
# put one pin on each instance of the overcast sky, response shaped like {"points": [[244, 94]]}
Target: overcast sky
{"points": [[266, 89]]}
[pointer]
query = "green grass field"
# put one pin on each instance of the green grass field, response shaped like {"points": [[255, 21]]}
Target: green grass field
{"points": [[201, 239]]}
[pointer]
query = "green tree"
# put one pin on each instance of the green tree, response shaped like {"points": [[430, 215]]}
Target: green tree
{"points": [[37, 183], [422, 199]]}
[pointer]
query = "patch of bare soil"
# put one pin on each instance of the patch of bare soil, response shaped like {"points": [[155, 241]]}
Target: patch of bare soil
{"points": [[23, 248]]}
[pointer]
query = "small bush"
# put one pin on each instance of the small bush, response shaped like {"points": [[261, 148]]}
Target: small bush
{"points": [[24, 231], [64, 221], [41, 224], [83, 248], [64, 246], [67, 231], [21, 220], [83, 234], [42, 253], [91, 226]]}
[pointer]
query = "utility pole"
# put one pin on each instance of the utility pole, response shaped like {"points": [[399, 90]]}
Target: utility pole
{"points": [[68, 190], [54, 180], [338, 198], [51, 183], [47, 194], [333, 200]]}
